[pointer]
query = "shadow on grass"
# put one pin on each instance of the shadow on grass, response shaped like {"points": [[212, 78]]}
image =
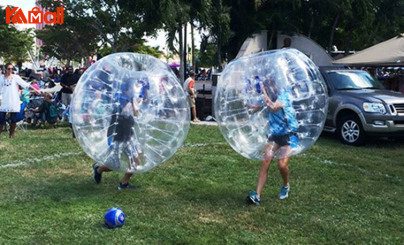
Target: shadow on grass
{"points": [[56, 189], [377, 142]]}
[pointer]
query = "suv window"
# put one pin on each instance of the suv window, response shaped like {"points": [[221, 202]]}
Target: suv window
{"points": [[342, 80]]}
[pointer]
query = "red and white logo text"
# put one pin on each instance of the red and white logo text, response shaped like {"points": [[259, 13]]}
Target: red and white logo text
{"points": [[35, 16]]}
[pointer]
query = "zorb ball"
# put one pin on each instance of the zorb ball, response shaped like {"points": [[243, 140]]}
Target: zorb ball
{"points": [[114, 218], [245, 102], [129, 112]]}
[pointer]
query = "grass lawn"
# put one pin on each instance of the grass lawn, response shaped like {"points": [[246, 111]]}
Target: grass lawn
{"points": [[339, 195]]}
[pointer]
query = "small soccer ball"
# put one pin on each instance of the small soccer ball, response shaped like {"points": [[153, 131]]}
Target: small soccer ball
{"points": [[114, 218]]}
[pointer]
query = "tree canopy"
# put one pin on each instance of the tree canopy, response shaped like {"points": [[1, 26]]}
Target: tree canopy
{"points": [[14, 44], [121, 25]]}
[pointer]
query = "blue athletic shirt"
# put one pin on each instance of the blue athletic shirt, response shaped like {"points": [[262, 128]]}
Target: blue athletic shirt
{"points": [[282, 121]]}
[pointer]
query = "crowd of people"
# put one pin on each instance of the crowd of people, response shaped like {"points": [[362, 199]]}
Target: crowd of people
{"points": [[35, 98], [37, 107]]}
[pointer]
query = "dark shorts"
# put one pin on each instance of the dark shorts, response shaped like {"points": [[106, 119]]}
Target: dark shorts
{"points": [[122, 131], [12, 117], [280, 140]]}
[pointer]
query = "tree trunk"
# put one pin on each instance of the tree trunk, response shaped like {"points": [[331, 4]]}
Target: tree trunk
{"points": [[180, 53], [311, 27], [334, 26], [219, 50], [348, 41], [193, 48], [184, 49]]}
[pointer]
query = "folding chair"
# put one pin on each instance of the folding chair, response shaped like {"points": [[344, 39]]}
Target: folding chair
{"points": [[21, 118]]}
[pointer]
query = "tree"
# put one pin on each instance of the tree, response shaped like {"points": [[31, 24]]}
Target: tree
{"points": [[174, 23], [220, 28], [389, 19], [14, 44], [113, 25], [70, 41]]}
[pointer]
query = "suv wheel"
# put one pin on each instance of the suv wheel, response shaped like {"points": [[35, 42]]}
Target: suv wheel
{"points": [[350, 130]]}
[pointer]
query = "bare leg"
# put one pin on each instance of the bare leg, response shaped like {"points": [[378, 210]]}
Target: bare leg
{"points": [[194, 112], [126, 178], [137, 160], [103, 168], [134, 162], [270, 148], [12, 130], [283, 163], [284, 170]]}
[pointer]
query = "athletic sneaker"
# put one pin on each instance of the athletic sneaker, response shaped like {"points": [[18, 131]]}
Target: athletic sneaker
{"points": [[253, 198], [125, 186], [284, 192], [97, 176]]}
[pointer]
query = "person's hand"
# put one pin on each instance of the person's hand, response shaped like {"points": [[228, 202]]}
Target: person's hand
{"points": [[271, 105], [274, 106], [253, 109]]}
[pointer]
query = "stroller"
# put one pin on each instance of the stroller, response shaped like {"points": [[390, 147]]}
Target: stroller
{"points": [[34, 102]]}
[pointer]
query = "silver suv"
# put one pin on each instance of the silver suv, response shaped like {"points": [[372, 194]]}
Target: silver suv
{"points": [[359, 106]]}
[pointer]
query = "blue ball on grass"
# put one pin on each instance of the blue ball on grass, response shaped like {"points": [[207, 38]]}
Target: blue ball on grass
{"points": [[114, 218]]}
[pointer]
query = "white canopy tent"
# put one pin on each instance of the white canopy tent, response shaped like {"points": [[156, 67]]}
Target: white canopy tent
{"points": [[387, 53]]}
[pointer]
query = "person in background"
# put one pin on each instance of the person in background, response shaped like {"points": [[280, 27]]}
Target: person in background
{"points": [[45, 110], [35, 85], [287, 42], [204, 75], [41, 83], [189, 88], [10, 97], [67, 81]]}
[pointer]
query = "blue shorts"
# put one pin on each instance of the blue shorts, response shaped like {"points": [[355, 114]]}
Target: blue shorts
{"points": [[12, 117]]}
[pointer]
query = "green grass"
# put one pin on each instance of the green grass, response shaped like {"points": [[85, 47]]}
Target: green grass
{"points": [[339, 195]]}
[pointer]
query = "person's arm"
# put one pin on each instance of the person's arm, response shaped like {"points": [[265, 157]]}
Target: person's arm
{"points": [[66, 86], [63, 84], [272, 106], [50, 80], [135, 108], [24, 84]]}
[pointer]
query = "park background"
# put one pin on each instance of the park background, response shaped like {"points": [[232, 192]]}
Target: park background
{"points": [[339, 195]]}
